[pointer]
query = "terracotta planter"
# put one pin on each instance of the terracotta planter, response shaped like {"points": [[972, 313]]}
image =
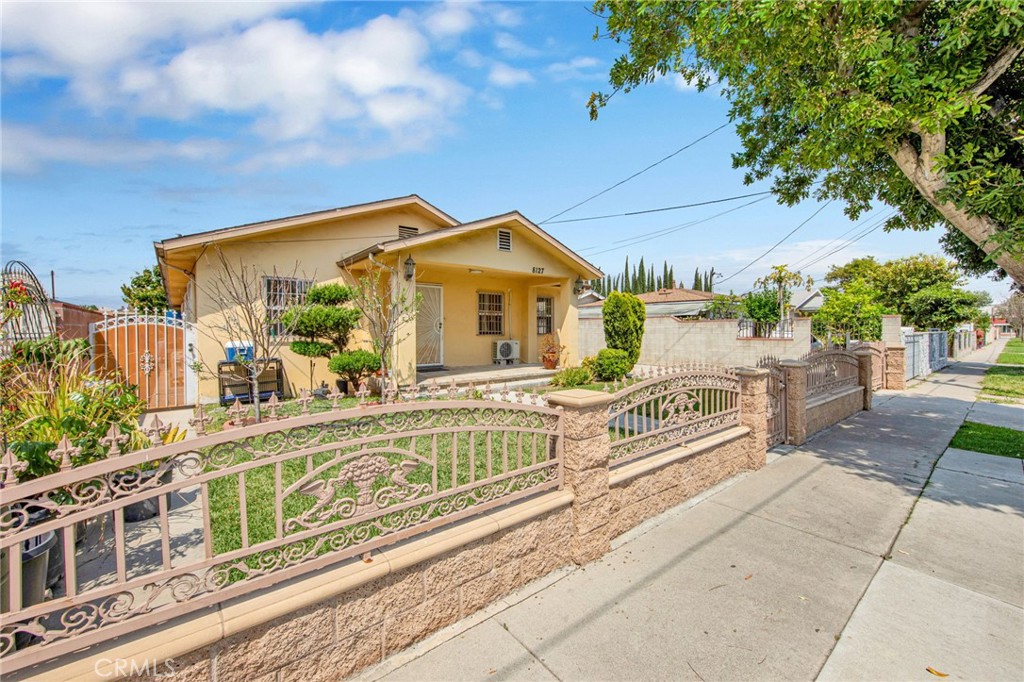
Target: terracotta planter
{"points": [[549, 363]]}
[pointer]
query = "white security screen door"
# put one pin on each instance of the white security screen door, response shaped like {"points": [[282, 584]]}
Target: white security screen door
{"points": [[430, 326]]}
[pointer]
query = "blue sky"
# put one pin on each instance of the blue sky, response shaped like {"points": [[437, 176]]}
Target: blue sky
{"points": [[124, 123]]}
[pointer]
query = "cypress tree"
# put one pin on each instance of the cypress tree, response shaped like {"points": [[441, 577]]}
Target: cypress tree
{"points": [[696, 279]]}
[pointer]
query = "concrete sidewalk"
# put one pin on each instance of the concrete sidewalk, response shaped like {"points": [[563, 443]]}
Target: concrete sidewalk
{"points": [[759, 579]]}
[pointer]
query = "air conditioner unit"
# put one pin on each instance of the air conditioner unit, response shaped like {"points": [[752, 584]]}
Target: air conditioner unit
{"points": [[505, 352]]}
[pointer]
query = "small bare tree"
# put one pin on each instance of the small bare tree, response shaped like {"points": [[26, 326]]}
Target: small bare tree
{"points": [[387, 310], [239, 290]]}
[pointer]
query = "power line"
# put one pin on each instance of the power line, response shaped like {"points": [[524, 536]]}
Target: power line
{"points": [[851, 242], [657, 210], [776, 244], [624, 243], [638, 173], [829, 244]]}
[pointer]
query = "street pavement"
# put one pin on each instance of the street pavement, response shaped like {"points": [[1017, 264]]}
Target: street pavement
{"points": [[872, 552]]}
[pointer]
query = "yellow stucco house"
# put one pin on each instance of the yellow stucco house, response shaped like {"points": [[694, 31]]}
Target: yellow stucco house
{"points": [[494, 279]]}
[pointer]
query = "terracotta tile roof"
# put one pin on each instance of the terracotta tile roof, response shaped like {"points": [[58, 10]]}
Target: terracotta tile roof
{"points": [[667, 296], [675, 296]]}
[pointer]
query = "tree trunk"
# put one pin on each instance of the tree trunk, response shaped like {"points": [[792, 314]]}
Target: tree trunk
{"points": [[254, 390], [979, 229]]}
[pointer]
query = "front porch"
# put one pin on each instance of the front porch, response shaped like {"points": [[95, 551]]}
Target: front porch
{"points": [[480, 375]]}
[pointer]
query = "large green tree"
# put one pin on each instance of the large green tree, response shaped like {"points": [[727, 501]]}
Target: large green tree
{"points": [[917, 104], [145, 291]]}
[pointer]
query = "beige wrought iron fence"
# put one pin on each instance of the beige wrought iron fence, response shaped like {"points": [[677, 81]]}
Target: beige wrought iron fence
{"points": [[830, 370], [668, 406], [242, 509]]}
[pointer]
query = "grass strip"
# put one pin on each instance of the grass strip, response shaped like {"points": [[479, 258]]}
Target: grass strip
{"points": [[1004, 380], [992, 440]]}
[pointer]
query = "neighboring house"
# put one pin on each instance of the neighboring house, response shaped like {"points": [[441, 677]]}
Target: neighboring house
{"points": [[590, 296], [809, 304], [72, 320], [492, 279], [671, 302]]}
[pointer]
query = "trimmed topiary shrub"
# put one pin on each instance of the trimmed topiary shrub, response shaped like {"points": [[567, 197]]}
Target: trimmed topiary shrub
{"points": [[624, 316], [571, 377], [353, 365], [612, 364]]}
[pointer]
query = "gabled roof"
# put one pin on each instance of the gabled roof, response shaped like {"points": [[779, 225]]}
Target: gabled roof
{"points": [[393, 245], [808, 298], [199, 238]]}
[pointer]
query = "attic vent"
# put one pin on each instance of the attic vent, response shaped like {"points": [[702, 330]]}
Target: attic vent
{"points": [[406, 232], [504, 240]]}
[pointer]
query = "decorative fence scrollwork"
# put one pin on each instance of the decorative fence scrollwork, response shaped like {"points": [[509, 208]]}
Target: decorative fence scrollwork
{"points": [[669, 406], [830, 370], [242, 509]]}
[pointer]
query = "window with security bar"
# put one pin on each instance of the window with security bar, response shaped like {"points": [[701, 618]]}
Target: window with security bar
{"points": [[280, 293], [490, 314], [545, 314]]}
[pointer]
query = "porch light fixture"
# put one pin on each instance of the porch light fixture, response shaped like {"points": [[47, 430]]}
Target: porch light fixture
{"points": [[577, 287], [410, 268]]}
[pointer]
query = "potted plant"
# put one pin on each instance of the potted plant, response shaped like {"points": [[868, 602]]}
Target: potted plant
{"points": [[550, 351]]}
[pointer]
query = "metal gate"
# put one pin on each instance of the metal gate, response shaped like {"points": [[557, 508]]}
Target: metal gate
{"points": [[915, 357], [152, 352], [877, 349], [776, 400]]}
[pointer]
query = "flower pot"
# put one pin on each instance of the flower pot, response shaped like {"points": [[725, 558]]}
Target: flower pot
{"points": [[35, 557], [549, 363], [148, 508]]}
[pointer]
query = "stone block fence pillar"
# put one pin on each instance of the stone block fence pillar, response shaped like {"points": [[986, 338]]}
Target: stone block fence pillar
{"points": [[585, 449], [895, 367], [864, 374], [891, 334], [754, 412], [796, 400]]}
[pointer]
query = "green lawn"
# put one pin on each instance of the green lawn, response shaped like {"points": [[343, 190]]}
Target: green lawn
{"points": [[1013, 353], [1004, 380], [505, 456], [993, 440], [288, 408]]}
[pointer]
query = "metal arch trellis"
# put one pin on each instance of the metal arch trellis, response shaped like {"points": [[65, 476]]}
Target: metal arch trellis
{"points": [[36, 320]]}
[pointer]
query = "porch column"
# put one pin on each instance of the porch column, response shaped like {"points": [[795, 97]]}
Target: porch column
{"points": [[404, 355], [568, 331]]}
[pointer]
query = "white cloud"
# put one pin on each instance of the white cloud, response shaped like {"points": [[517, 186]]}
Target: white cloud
{"points": [[579, 68], [505, 76], [369, 85], [450, 19], [511, 46], [471, 58], [27, 149]]}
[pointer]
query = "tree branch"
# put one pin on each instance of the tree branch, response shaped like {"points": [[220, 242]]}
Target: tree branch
{"points": [[910, 23], [997, 68]]}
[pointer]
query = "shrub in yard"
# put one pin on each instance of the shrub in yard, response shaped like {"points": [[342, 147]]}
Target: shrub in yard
{"points": [[353, 365], [612, 364], [42, 404], [624, 316], [572, 376]]}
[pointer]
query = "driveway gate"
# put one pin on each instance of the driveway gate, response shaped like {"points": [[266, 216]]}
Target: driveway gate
{"points": [[152, 352], [776, 400]]}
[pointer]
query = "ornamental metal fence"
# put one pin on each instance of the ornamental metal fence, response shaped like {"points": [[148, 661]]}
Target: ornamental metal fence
{"points": [[668, 406], [148, 535], [830, 370], [751, 329]]}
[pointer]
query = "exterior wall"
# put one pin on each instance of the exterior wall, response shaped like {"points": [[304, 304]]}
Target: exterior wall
{"points": [[313, 252], [670, 341], [73, 321], [824, 411]]}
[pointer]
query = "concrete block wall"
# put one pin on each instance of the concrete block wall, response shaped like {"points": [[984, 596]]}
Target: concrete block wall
{"points": [[671, 341]]}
